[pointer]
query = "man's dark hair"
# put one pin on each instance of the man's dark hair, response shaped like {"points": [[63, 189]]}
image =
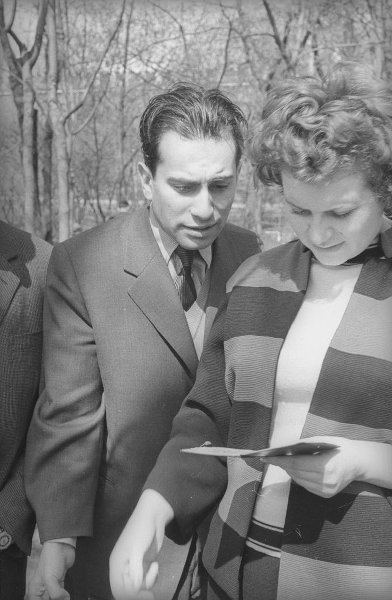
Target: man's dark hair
{"points": [[192, 112]]}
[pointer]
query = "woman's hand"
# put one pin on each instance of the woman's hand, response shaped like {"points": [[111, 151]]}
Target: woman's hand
{"points": [[328, 473]]}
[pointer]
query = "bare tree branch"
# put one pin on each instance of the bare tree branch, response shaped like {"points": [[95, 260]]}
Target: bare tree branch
{"points": [[22, 48], [305, 39], [97, 68], [123, 93], [226, 56], [12, 63], [39, 32], [93, 110], [277, 38], [348, 45], [30, 85], [177, 22], [11, 18], [249, 47]]}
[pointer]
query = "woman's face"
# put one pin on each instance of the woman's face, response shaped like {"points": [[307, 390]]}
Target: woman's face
{"points": [[336, 219]]}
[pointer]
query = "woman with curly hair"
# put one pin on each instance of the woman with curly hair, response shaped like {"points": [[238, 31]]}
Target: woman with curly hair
{"points": [[301, 350]]}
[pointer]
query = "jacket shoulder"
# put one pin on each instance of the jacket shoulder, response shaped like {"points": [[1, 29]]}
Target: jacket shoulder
{"points": [[108, 231], [99, 246], [242, 235], [242, 242], [28, 248]]}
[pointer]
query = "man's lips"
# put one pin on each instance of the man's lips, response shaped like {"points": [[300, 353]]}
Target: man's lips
{"points": [[200, 227]]}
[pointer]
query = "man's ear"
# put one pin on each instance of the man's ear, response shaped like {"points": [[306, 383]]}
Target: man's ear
{"points": [[146, 179]]}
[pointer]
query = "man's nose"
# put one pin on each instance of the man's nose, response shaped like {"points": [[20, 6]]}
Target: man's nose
{"points": [[319, 231], [203, 207]]}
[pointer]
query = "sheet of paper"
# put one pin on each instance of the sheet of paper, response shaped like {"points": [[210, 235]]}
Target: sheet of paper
{"points": [[290, 450]]}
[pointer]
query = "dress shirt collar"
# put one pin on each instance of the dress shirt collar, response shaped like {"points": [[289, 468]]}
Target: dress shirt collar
{"points": [[167, 244]]}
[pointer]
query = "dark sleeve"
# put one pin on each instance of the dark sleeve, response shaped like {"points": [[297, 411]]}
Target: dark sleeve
{"points": [[20, 366], [192, 484], [65, 437], [18, 517]]}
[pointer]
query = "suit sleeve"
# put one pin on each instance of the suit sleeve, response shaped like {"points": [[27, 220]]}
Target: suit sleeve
{"points": [[20, 366], [65, 437], [18, 518], [193, 484]]}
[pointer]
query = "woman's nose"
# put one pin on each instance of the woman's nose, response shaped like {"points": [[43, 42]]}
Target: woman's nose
{"points": [[319, 232]]}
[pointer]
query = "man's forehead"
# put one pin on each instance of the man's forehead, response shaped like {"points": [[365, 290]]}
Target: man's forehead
{"points": [[198, 163], [171, 136]]}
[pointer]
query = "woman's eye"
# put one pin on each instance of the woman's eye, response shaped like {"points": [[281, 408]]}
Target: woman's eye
{"points": [[217, 189]]}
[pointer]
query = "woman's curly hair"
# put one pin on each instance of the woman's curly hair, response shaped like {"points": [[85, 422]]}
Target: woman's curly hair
{"points": [[315, 128]]}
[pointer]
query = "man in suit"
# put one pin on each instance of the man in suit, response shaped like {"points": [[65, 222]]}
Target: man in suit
{"points": [[23, 263], [126, 315]]}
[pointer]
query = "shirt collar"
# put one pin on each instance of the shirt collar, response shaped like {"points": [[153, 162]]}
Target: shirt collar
{"points": [[167, 244]]}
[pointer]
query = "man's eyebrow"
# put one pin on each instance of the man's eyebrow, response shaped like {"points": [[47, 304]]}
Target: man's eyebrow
{"points": [[185, 181], [182, 180]]}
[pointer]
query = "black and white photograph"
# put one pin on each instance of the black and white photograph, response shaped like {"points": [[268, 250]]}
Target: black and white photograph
{"points": [[195, 299]]}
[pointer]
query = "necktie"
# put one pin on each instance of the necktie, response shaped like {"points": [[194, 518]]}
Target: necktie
{"points": [[187, 290]]}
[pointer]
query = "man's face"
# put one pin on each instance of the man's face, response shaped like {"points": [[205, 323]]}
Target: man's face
{"points": [[193, 187]]}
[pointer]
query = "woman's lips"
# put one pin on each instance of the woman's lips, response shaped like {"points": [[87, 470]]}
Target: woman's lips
{"points": [[333, 247]]}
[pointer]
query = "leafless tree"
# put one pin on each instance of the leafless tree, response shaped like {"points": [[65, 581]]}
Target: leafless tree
{"points": [[60, 116], [21, 83]]}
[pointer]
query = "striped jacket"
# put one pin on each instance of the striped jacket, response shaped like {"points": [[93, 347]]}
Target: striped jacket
{"points": [[335, 548]]}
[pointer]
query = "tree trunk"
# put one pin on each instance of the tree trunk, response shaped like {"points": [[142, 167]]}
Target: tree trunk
{"points": [[46, 170], [29, 172], [65, 213], [58, 127]]}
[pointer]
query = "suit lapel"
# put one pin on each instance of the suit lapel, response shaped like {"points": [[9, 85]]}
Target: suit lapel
{"points": [[9, 281], [152, 289]]}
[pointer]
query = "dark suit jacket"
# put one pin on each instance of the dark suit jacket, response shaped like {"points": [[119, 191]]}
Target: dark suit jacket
{"points": [[119, 360], [23, 263]]}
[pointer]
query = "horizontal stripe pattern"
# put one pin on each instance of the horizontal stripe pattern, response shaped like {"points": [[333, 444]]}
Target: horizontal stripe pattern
{"points": [[373, 341], [320, 580], [351, 431], [354, 389], [265, 538], [222, 561], [251, 354], [242, 483], [252, 273], [333, 548], [376, 279], [326, 527], [242, 414], [272, 311]]}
